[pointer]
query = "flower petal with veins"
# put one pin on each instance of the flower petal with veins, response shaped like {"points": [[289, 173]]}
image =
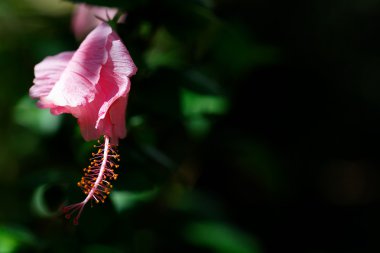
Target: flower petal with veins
{"points": [[91, 83]]}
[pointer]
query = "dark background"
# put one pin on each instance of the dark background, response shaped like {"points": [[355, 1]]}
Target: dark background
{"points": [[253, 126]]}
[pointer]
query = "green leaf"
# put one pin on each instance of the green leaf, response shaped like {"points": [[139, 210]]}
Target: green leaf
{"points": [[12, 238], [27, 114], [221, 238], [123, 200], [196, 107], [164, 52], [195, 104]]}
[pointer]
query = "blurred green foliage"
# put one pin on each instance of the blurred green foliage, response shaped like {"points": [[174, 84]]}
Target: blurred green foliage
{"points": [[252, 127], [220, 238], [12, 238]]}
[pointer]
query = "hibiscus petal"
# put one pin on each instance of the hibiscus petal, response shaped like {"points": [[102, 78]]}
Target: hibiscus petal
{"points": [[87, 116], [117, 116], [111, 117], [77, 83], [123, 64], [114, 84], [47, 73], [111, 87], [92, 84]]}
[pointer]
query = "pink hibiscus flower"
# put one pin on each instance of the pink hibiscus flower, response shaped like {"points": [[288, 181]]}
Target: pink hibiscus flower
{"points": [[91, 83]]}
